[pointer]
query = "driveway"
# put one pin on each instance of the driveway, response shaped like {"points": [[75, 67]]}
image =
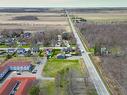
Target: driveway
{"points": [[40, 67]]}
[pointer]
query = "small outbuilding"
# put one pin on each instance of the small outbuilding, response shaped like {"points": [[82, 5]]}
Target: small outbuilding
{"points": [[61, 56]]}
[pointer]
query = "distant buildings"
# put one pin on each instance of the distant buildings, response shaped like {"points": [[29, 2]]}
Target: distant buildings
{"points": [[27, 35]]}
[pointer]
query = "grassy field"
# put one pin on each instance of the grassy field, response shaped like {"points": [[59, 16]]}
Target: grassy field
{"points": [[65, 73], [56, 65], [48, 87]]}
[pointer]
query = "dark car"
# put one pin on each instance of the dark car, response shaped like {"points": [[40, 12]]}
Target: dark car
{"points": [[18, 73]]}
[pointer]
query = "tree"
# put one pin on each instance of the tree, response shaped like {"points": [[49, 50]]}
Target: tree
{"points": [[97, 49], [8, 56], [34, 90]]}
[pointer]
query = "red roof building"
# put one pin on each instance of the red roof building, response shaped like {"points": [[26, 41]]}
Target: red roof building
{"points": [[3, 71], [17, 86], [14, 66], [18, 63]]}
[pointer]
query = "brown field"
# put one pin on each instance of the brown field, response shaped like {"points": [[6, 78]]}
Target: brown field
{"points": [[103, 17], [45, 20]]}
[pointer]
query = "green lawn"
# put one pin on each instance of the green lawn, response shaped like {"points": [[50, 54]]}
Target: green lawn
{"points": [[55, 52], [25, 46], [54, 66], [3, 46]]}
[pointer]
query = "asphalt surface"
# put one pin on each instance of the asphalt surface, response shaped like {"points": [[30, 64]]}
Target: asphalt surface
{"points": [[40, 67], [98, 83], [29, 48]]}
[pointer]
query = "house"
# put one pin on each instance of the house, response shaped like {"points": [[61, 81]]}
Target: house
{"points": [[10, 51], [2, 40], [35, 49], [59, 38], [60, 56], [67, 50], [21, 51], [27, 35], [9, 41], [3, 71], [23, 43], [17, 86]]}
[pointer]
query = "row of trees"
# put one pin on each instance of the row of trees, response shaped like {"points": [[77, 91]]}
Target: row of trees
{"points": [[114, 38], [107, 35]]}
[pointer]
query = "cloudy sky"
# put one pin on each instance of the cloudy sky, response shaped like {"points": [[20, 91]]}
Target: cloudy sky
{"points": [[63, 3]]}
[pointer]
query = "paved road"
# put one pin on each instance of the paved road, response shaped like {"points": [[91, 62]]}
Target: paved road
{"points": [[40, 67], [99, 85], [29, 48]]}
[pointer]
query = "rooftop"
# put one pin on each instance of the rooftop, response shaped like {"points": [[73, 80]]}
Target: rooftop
{"points": [[18, 63], [2, 69], [9, 85]]}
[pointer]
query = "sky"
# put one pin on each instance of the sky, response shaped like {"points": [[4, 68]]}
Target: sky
{"points": [[63, 3]]}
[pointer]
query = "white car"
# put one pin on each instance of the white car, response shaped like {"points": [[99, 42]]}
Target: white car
{"points": [[82, 51]]}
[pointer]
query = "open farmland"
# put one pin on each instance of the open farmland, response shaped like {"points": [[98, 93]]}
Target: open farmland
{"points": [[111, 34], [103, 16], [33, 21]]}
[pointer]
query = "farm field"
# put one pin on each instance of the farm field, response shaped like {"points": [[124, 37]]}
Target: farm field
{"points": [[103, 16], [33, 21]]}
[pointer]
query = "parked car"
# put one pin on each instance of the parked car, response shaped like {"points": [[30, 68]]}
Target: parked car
{"points": [[18, 73], [82, 51], [34, 71], [38, 62]]}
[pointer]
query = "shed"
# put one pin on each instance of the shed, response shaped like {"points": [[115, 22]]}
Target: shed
{"points": [[60, 56]]}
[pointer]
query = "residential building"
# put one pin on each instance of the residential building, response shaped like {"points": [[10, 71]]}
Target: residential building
{"points": [[19, 66], [11, 50], [21, 51], [23, 43], [35, 49], [3, 71], [27, 35], [14, 66], [17, 86]]}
